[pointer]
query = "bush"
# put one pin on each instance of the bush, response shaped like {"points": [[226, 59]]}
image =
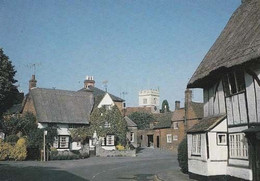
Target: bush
{"points": [[19, 151], [12, 139], [84, 155], [120, 147], [183, 155], [5, 149], [64, 157]]}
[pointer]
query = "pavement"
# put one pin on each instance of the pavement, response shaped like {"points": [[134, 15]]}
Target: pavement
{"points": [[172, 175]]}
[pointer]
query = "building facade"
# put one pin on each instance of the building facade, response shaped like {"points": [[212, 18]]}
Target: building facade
{"points": [[229, 75]]}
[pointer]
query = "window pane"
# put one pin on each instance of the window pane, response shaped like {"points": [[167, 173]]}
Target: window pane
{"points": [[232, 83], [240, 80], [226, 85]]}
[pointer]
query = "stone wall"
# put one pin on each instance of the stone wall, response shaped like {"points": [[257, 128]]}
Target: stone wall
{"points": [[114, 153]]}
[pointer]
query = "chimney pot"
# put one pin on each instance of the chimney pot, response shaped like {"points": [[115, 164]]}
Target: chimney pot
{"points": [[177, 105], [32, 82]]}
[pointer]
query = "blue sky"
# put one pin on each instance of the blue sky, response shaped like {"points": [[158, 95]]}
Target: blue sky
{"points": [[133, 44]]}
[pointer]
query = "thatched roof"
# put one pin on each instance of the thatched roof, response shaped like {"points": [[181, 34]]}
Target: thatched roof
{"points": [[129, 122], [100, 93], [239, 43], [207, 124], [61, 106]]}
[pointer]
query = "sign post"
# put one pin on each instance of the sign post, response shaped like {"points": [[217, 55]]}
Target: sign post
{"points": [[44, 149]]}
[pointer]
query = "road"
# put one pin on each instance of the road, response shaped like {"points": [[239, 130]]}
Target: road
{"points": [[141, 168]]}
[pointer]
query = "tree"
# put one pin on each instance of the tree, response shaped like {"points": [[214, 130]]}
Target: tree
{"points": [[8, 90], [108, 121], [80, 134], [183, 155], [165, 106], [142, 120]]}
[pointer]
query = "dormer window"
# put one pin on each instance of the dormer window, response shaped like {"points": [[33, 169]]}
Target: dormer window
{"points": [[234, 82]]}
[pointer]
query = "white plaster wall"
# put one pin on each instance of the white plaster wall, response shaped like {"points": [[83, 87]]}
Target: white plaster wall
{"points": [[238, 162], [217, 168], [106, 101], [216, 152], [221, 127], [198, 164], [243, 173], [74, 146], [198, 167], [237, 129], [63, 129], [109, 147], [42, 125]]}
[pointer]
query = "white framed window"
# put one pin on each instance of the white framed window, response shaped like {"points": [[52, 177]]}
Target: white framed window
{"points": [[107, 125], [132, 137], [234, 82], [110, 140], [175, 137], [144, 101], [169, 138], [64, 142], [238, 147], [196, 144], [221, 139], [175, 125]]}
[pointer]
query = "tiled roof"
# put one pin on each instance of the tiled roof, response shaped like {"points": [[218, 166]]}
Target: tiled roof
{"points": [[206, 124], [61, 106], [98, 92], [163, 119], [130, 110]]}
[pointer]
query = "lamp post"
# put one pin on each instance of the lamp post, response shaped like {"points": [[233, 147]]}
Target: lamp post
{"points": [[44, 149]]}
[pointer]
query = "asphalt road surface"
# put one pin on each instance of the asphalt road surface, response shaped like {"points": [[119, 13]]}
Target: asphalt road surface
{"points": [[141, 168]]}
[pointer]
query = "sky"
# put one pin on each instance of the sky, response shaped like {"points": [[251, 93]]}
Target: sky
{"points": [[132, 44]]}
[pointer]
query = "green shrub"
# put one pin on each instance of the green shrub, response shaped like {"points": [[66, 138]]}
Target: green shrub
{"points": [[84, 155], [12, 139], [183, 155], [5, 149], [19, 151]]}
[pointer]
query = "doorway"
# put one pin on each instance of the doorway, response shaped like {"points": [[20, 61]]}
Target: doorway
{"points": [[150, 140], [158, 142]]}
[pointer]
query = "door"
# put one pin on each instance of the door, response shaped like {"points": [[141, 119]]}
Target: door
{"points": [[150, 140], [158, 142]]}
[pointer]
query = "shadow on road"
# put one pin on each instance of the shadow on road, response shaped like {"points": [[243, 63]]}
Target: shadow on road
{"points": [[139, 177], [11, 173]]}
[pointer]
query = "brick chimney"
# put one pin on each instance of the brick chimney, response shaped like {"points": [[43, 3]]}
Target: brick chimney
{"points": [[177, 105], [32, 82], [89, 82], [188, 96]]}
